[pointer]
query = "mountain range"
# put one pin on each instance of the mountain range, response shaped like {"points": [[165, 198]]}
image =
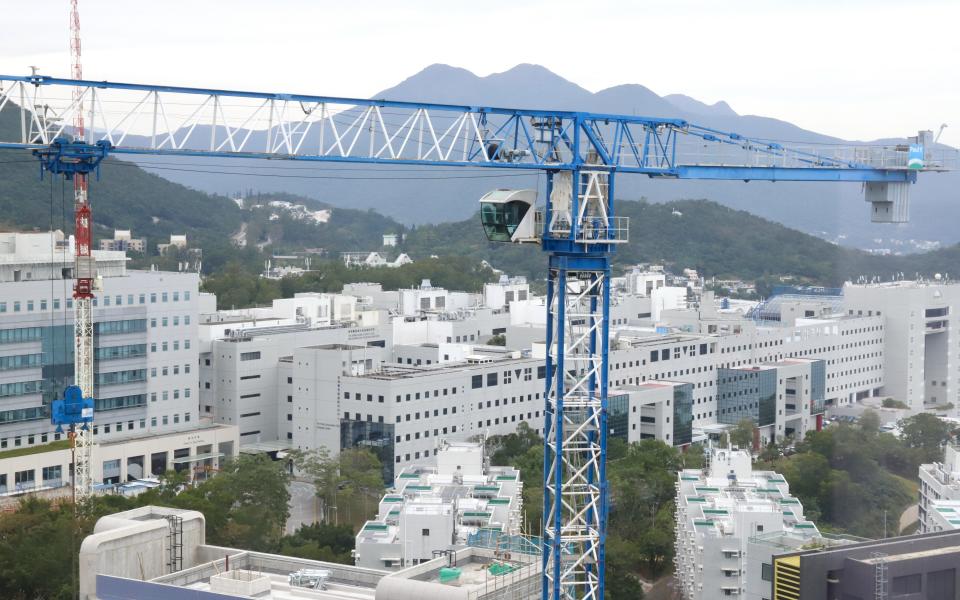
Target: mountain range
{"points": [[832, 211]]}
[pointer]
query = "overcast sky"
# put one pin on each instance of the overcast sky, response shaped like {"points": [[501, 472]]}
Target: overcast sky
{"points": [[854, 69]]}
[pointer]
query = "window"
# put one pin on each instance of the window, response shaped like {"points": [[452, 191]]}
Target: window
{"points": [[249, 356], [766, 572], [491, 379], [906, 584], [425, 532], [477, 381]]}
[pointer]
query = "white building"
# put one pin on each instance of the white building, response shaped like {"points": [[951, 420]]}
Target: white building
{"points": [[373, 259], [719, 510], [145, 356], [922, 345], [124, 460], [939, 483], [122, 241], [439, 504], [145, 339], [176, 241]]}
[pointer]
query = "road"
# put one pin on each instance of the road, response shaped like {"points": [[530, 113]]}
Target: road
{"points": [[303, 505]]}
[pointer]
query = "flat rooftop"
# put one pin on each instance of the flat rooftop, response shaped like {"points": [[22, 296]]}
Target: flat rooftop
{"points": [[346, 582], [397, 371]]}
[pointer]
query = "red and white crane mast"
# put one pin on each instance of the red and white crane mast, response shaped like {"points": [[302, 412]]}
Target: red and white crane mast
{"points": [[84, 273]]}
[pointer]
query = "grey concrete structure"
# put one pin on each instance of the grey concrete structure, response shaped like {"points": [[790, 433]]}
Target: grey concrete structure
{"points": [[919, 567]]}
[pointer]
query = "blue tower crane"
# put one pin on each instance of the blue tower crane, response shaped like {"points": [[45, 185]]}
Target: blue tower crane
{"points": [[582, 155]]}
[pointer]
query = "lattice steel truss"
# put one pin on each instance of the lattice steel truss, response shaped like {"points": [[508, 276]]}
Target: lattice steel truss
{"points": [[580, 153]]}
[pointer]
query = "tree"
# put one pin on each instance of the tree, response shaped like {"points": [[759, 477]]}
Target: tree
{"points": [[927, 433], [741, 435], [498, 340], [870, 422], [893, 403], [621, 581], [353, 477], [321, 541], [246, 505]]}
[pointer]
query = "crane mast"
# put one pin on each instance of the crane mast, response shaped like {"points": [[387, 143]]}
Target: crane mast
{"points": [[581, 154], [84, 274]]}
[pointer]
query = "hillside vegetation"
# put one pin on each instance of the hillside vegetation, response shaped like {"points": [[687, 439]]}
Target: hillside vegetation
{"points": [[715, 240]]}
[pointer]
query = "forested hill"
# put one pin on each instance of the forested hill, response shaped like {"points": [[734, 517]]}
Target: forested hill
{"points": [[715, 240]]}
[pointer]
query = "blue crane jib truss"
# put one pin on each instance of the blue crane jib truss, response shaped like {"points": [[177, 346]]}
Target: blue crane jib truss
{"points": [[74, 410], [577, 226]]}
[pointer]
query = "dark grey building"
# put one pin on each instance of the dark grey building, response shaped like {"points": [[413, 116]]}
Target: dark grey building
{"points": [[917, 567]]}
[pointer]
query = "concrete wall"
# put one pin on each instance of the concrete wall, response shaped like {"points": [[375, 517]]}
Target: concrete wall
{"points": [[135, 544]]}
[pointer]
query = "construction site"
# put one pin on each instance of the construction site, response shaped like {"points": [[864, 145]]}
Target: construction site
{"points": [[335, 370]]}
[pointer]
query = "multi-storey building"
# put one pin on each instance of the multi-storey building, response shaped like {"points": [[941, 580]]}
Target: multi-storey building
{"points": [[145, 358], [719, 510], [939, 482], [145, 338], [922, 345], [124, 241], [784, 398], [439, 504]]}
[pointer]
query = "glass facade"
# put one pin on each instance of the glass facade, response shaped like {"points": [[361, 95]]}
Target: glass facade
{"points": [[119, 352], [747, 394], [618, 416], [818, 386], [683, 414], [376, 437], [55, 360]]}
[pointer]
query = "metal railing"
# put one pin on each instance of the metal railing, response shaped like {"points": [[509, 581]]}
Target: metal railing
{"points": [[593, 230]]}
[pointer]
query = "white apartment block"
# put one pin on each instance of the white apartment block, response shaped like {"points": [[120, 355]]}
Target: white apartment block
{"points": [[719, 510], [939, 483], [439, 504], [922, 344]]}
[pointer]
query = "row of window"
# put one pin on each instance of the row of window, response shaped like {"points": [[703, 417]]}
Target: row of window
{"points": [[476, 381], [120, 402], [165, 394], [164, 371], [120, 326], [20, 388], [120, 352], [164, 346], [165, 321], [118, 377], [115, 300], [20, 334], [20, 361]]}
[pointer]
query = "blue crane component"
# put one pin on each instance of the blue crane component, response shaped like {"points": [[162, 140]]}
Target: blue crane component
{"points": [[580, 152], [73, 411]]}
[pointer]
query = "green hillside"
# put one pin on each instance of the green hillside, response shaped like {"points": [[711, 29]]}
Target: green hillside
{"points": [[716, 240]]}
